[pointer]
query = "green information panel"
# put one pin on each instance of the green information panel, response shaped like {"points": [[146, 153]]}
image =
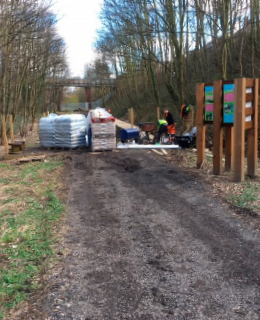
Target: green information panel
{"points": [[209, 103]]}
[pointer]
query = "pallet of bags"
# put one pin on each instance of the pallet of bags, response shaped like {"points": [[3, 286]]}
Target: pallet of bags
{"points": [[47, 131], [103, 130], [70, 131], [103, 143], [107, 128]]}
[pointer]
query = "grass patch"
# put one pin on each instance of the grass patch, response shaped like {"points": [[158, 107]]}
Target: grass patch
{"points": [[247, 197], [29, 208]]}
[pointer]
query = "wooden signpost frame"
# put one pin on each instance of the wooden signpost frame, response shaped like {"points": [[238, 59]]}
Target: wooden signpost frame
{"points": [[218, 126], [234, 152]]}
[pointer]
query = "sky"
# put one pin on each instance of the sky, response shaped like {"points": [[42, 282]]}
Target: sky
{"points": [[77, 25]]}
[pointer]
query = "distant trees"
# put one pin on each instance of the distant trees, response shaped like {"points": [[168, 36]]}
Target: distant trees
{"points": [[98, 69], [172, 44], [30, 52]]}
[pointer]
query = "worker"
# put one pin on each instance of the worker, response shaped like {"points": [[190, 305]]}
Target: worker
{"points": [[162, 127], [185, 108], [170, 121]]}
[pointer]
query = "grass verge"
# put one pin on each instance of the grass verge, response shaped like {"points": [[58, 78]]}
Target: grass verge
{"points": [[244, 196], [29, 207], [248, 197]]}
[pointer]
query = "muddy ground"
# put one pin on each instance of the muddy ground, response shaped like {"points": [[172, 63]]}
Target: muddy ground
{"points": [[150, 241]]}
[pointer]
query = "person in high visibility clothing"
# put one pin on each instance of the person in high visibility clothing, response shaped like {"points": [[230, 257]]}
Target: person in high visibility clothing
{"points": [[170, 120], [162, 127]]}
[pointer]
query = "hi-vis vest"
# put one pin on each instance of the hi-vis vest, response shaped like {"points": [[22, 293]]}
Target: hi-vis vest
{"points": [[160, 122]]}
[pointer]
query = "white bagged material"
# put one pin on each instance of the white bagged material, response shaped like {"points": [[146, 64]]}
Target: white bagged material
{"points": [[103, 136], [100, 113], [66, 131], [193, 132], [70, 131], [103, 143], [47, 131], [103, 129]]}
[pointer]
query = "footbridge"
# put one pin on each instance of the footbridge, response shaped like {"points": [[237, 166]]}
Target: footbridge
{"points": [[59, 84], [87, 83]]}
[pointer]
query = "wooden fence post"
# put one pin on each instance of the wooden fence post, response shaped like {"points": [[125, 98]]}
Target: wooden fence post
{"points": [[132, 117], [201, 129], [158, 113], [239, 129], [5, 140]]}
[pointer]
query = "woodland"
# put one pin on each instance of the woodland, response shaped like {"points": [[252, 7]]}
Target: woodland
{"points": [[31, 54], [157, 50], [160, 49]]}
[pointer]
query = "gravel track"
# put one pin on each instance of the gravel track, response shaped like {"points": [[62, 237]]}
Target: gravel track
{"points": [[150, 242]]}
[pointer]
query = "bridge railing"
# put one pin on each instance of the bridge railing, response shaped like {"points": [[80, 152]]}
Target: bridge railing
{"points": [[82, 82]]}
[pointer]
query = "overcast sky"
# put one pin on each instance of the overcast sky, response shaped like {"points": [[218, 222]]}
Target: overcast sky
{"points": [[78, 22]]}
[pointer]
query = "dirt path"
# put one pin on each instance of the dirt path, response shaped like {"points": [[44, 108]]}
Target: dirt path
{"points": [[151, 243]]}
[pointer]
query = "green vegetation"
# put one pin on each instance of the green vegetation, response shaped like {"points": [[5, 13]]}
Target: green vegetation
{"points": [[248, 197], [29, 207], [71, 99]]}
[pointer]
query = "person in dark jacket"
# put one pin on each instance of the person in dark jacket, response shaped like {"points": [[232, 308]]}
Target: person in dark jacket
{"points": [[170, 120], [168, 117]]}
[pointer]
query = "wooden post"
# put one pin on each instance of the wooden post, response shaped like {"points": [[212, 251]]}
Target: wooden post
{"points": [[229, 148], [239, 129], [252, 138], [201, 129], [217, 129], [158, 113], [4, 135], [11, 128], [132, 117]]}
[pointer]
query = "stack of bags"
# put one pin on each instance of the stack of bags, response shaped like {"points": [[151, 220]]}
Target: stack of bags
{"points": [[70, 131], [103, 130], [47, 131]]}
